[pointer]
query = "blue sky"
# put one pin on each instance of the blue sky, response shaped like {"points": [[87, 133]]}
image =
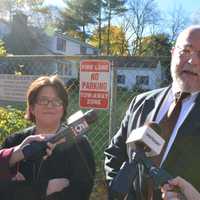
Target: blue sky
{"points": [[59, 3], [188, 5]]}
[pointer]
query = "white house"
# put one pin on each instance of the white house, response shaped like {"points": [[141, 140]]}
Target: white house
{"points": [[141, 72], [49, 44], [62, 44]]}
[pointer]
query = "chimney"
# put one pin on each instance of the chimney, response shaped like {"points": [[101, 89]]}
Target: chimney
{"points": [[19, 22]]}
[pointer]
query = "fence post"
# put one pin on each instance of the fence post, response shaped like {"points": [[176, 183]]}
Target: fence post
{"points": [[113, 87]]}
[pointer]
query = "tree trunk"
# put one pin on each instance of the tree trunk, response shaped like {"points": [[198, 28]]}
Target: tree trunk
{"points": [[108, 33]]}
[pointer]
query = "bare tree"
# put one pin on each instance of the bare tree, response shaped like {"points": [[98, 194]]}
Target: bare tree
{"points": [[142, 14], [196, 17], [176, 21], [124, 23]]}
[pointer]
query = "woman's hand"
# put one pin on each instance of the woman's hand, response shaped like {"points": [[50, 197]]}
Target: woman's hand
{"points": [[57, 185], [17, 154], [18, 177]]}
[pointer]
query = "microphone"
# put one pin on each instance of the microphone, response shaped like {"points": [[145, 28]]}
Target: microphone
{"points": [[159, 175], [144, 139], [150, 144], [147, 137], [77, 125], [143, 142]]}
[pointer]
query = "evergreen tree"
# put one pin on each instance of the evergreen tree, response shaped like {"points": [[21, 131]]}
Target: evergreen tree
{"points": [[77, 16], [113, 8], [158, 45], [21, 40]]}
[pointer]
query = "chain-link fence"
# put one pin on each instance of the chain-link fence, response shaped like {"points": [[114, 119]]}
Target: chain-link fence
{"points": [[129, 76]]}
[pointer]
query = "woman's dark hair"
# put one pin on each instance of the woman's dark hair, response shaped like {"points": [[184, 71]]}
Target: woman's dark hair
{"points": [[35, 88]]}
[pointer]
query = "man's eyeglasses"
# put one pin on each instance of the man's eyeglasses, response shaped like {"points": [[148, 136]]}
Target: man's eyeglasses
{"points": [[187, 52], [46, 101]]}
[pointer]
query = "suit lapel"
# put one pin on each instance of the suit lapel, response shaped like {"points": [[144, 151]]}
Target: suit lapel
{"points": [[147, 110], [151, 106]]}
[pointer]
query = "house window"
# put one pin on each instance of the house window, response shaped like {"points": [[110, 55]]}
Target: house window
{"points": [[61, 44], [95, 52], [83, 49], [60, 68], [64, 69], [142, 80], [68, 70], [121, 79]]}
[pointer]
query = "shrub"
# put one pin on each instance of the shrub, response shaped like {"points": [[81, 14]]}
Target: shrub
{"points": [[2, 49], [138, 89], [11, 120]]}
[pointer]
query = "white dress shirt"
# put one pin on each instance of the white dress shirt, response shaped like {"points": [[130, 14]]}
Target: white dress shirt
{"points": [[187, 105]]}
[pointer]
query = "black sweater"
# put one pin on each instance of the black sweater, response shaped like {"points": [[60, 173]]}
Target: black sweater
{"points": [[74, 162]]}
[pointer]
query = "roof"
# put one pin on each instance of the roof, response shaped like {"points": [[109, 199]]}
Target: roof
{"points": [[64, 36], [137, 61], [41, 35]]}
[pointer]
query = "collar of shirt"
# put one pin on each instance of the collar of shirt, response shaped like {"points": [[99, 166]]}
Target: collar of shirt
{"points": [[174, 90]]}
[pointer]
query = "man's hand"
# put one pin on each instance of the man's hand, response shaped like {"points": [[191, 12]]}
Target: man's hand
{"points": [[57, 185], [168, 193], [187, 191], [177, 189]]}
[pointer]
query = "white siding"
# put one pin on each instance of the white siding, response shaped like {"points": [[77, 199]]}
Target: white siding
{"points": [[4, 29], [73, 48], [52, 43], [90, 51], [130, 73]]}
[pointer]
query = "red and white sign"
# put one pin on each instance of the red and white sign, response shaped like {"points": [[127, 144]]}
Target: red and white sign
{"points": [[94, 89]]}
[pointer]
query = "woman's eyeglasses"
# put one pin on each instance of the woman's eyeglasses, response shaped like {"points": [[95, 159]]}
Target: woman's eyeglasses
{"points": [[46, 101]]}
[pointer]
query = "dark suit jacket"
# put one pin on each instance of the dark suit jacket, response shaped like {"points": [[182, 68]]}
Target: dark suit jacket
{"points": [[183, 158]]}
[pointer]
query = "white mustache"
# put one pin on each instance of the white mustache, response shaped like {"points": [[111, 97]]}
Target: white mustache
{"points": [[191, 69]]}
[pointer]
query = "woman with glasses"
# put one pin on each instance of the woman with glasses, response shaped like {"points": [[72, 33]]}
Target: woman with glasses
{"points": [[69, 172]]}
